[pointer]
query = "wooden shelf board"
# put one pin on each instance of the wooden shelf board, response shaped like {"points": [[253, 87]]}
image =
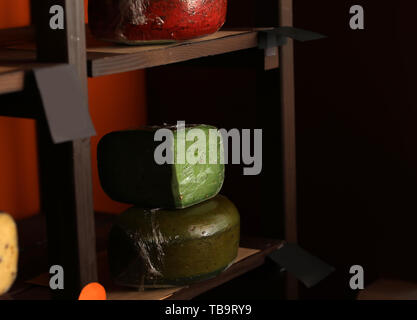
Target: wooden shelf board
{"points": [[389, 289], [11, 81], [33, 248], [15, 64], [247, 260], [105, 58]]}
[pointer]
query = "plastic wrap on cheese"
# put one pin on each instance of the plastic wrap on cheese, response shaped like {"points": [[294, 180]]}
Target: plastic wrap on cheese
{"points": [[136, 21], [159, 248]]}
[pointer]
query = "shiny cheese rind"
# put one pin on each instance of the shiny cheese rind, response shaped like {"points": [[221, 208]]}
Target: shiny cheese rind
{"points": [[162, 248], [9, 252], [144, 21]]}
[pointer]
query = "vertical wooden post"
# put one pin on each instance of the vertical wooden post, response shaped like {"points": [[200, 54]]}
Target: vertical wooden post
{"points": [[65, 169], [288, 133]]}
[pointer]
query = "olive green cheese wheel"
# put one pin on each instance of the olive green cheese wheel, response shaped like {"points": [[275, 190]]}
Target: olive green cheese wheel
{"points": [[8, 252], [129, 172], [159, 247]]}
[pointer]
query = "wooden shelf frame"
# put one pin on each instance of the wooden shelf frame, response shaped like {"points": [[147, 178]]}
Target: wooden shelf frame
{"points": [[104, 58], [15, 68], [69, 211]]}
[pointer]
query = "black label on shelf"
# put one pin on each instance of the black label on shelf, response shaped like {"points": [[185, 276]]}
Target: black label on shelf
{"points": [[305, 267], [278, 36]]}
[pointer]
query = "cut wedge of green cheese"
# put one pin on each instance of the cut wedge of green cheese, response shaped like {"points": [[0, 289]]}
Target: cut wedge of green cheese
{"points": [[130, 173], [8, 252], [160, 247]]}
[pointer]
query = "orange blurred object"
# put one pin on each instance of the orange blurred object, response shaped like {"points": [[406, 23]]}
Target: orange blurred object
{"points": [[19, 192], [117, 102], [14, 13], [93, 291]]}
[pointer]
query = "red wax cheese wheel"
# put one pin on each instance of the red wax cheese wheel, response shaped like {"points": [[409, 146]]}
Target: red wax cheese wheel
{"points": [[133, 21]]}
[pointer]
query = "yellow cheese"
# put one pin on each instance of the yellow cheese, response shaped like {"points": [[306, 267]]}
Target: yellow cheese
{"points": [[8, 252]]}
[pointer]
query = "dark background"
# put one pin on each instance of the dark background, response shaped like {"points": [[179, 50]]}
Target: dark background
{"points": [[356, 134], [356, 150]]}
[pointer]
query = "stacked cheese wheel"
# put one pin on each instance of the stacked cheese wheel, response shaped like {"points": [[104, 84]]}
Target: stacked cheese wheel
{"points": [[179, 230]]}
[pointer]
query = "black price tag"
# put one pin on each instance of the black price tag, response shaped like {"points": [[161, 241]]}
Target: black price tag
{"points": [[305, 267]]}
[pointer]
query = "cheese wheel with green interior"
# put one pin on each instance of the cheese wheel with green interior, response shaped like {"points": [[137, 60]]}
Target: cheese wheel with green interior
{"points": [[8, 252], [129, 172]]}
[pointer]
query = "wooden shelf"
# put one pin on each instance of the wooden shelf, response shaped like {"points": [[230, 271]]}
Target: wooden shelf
{"points": [[14, 66], [247, 260], [11, 80], [70, 211], [33, 242], [15, 63], [105, 58], [389, 289]]}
